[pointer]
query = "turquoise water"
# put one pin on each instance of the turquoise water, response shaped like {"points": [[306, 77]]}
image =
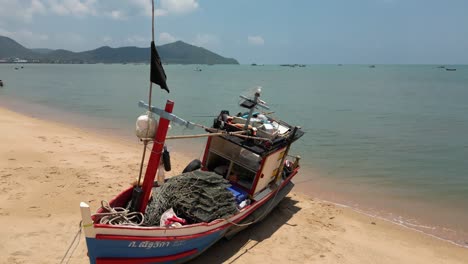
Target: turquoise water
{"points": [[390, 140]]}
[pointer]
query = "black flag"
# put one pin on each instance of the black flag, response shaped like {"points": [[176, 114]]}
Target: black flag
{"points": [[158, 76]]}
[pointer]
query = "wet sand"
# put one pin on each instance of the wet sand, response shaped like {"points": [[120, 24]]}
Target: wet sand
{"points": [[47, 169]]}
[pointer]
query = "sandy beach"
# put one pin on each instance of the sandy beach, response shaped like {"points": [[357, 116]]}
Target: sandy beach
{"points": [[47, 169]]}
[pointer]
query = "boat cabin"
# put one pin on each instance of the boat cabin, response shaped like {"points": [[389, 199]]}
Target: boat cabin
{"points": [[251, 163]]}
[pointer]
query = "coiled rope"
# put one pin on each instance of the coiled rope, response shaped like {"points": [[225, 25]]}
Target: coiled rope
{"points": [[119, 216]]}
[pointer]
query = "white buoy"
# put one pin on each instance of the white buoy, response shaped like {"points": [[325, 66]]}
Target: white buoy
{"points": [[146, 126]]}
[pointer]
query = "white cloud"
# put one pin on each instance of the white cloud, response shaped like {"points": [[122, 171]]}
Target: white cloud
{"points": [[206, 40], [167, 7], [179, 6], [256, 40], [20, 11], [24, 10], [36, 7], [73, 7], [165, 37], [117, 15], [143, 5]]}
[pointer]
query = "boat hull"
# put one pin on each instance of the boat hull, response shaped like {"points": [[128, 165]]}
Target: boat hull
{"points": [[127, 244], [261, 212], [148, 249]]}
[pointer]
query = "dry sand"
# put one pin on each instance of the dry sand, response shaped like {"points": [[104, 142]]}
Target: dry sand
{"points": [[47, 168]]}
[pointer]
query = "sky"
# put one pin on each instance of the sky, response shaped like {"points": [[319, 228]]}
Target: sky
{"points": [[253, 31]]}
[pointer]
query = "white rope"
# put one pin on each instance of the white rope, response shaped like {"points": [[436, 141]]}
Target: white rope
{"points": [[119, 216]]}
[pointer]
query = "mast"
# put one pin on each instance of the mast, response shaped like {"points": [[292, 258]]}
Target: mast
{"points": [[140, 195], [251, 104], [255, 101]]}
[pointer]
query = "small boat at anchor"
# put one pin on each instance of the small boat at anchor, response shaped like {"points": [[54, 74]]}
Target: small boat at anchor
{"points": [[245, 172]]}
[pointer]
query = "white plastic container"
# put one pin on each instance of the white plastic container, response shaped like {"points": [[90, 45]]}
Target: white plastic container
{"points": [[267, 131]]}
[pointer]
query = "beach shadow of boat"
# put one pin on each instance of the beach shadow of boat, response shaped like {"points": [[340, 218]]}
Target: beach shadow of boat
{"points": [[247, 239]]}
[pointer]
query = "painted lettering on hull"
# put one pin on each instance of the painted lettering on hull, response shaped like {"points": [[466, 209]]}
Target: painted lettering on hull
{"points": [[154, 244]]}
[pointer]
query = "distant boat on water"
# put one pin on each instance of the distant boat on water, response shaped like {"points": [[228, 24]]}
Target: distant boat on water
{"points": [[441, 67], [372, 66], [292, 65], [450, 69], [1, 83]]}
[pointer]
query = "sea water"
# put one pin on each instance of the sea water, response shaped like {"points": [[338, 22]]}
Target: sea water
{"points": [[391, 141]]}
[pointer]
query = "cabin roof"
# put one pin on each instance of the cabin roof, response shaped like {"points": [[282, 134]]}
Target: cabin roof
{"points": [[259, 147]]}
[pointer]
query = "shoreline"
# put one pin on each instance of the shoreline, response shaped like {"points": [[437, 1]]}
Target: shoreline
{"points": [[339, 160], [54, 166], [392, 214], [305, 187], [396, 223]]}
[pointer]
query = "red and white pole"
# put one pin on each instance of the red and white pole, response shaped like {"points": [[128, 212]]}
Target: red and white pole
{"points": [[155, 157]]}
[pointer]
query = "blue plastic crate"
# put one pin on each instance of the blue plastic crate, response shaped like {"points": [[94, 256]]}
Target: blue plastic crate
{"points": [[238, 193]]}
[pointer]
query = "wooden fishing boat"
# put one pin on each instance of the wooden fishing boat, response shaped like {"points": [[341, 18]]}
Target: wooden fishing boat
{"points": [[264, 171], [248, 153]]}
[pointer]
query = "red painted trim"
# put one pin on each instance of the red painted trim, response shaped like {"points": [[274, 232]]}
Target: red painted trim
{"points": [[145, 260], [205, 155], [155, 157], [162, 238]]}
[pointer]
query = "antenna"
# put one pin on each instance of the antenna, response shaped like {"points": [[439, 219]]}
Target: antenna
{"points": [[252, 104]]}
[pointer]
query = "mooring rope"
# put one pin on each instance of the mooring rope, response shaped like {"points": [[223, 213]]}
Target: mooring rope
{"points": [[78, 234]]}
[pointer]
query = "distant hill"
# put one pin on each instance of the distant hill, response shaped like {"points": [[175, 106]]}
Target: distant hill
{"points": [[11, 48], [42, 51], [174, 53], [179, 52]]}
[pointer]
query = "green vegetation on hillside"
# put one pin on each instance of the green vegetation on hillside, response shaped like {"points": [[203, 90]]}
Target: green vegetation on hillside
{"points": [[174, 53]]}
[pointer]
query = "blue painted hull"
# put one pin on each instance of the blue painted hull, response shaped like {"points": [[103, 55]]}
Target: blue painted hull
{"points": [[139, 249]]}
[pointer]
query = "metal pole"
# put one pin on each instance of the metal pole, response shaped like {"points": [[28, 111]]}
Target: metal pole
{"points": [[257, 95]]}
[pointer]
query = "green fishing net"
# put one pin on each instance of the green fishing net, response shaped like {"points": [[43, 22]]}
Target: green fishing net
{"points": [[196, 196]]}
